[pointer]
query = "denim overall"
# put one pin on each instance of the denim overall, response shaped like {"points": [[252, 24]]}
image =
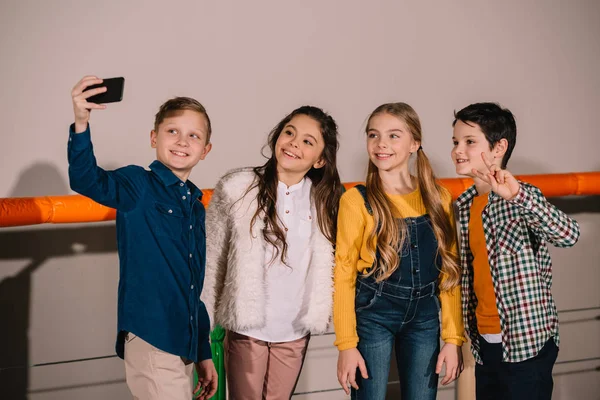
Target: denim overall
{"points": [[403, 311]]}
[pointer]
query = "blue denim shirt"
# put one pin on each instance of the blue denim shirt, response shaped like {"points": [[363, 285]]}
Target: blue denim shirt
{"points": [[162, 250]]}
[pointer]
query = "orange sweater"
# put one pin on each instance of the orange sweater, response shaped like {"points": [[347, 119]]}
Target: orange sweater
{"points": [[488, 321], [352, 257]]}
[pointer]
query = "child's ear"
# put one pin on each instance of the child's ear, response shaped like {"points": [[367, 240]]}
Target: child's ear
{"points": [[415, 146], [319, 164], [500, 148], [153, 138], [205, 150]]}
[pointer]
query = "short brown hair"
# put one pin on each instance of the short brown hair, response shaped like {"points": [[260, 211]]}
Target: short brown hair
{"points": [[176, 104]]}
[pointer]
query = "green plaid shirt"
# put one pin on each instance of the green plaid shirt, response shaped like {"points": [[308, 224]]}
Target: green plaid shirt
{"points": [[516, 233]]}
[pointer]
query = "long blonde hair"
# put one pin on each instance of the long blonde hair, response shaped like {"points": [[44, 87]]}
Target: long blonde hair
{"points": [[390, 233]]}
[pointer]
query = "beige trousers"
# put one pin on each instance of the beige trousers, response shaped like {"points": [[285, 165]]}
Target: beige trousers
{"points": [[153, 374], [262, 370]]}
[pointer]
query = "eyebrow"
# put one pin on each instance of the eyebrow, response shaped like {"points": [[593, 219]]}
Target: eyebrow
{"points": [[313, 138], [389, 130], [307, 134], [466, 137], [173, 124]]}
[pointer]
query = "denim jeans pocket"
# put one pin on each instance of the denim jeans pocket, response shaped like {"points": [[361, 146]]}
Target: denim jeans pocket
{"points": [[366, 296], [405, 247]]}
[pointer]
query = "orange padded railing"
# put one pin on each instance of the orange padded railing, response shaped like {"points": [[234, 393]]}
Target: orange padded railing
{"points": [[66, 209], [75, 208]]}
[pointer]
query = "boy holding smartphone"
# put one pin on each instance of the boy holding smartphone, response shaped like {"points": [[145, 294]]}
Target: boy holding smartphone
{"points": [[163, 327]]}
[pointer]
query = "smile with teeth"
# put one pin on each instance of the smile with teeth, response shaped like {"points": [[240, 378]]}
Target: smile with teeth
{"points": [[287, 153], [179, 153], [382, 156], [461, 160]]}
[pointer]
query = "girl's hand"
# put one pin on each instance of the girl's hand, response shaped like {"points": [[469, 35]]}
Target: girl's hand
{"points": [[348, 361], [501, 181], [450, 354], [81, 107]]}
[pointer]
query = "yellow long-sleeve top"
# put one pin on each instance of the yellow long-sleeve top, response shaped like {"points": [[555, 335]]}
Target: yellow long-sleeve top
{"points": [[352, 257]]}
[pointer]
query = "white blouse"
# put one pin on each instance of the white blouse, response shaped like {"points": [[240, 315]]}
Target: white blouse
{"points": [[285, 284]]}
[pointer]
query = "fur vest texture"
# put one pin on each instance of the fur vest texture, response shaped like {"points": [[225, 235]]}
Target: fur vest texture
{"points": [[234, 291]]}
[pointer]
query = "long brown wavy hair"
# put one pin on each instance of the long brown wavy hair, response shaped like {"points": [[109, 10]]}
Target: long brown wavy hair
{"points": [[390, 233], [326, 185]]}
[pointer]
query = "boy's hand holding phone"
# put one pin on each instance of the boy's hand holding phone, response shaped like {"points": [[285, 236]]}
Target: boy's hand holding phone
{"points": [[89, 92], [501, 181], [81, 107]]}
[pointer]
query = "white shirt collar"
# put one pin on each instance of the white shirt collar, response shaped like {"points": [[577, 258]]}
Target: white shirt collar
{"points": [[296, 187]]}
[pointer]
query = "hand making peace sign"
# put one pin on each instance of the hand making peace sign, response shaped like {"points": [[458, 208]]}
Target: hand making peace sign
{"points": [[501, 181]]}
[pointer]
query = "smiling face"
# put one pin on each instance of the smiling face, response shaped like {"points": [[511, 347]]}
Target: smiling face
{"points": [[389, 142], [299, 148], [469, 144], [181, 141]]}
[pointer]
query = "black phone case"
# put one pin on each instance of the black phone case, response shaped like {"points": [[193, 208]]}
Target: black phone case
{"points": [[113, 94]]}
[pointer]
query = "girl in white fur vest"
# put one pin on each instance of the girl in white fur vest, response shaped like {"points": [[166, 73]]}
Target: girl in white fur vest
{"points": [[270, 232]]}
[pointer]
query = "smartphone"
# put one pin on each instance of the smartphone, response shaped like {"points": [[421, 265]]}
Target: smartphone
{"points": [[113, 94]]}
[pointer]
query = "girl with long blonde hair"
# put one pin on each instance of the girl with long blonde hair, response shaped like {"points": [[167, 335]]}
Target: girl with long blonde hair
{"points": [[396, 268]]}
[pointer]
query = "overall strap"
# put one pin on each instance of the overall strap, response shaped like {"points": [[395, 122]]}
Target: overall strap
{"points": [[362, 189]]}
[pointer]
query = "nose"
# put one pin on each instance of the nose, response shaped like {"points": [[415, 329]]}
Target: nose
{"points": [[182, 141], [458, 149]]}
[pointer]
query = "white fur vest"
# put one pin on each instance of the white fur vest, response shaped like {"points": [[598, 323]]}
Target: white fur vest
{"points": [[234, 287]]}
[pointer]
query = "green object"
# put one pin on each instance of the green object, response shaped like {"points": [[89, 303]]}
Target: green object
{"points": [[218, 355]]}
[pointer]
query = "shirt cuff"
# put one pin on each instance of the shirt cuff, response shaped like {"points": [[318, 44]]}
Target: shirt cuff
{"points": [[456, 341], [523, 198], [347, 345], [79, 141], [204, 352]]}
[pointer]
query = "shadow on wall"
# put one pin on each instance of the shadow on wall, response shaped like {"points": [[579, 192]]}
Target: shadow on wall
{"points": [[40, 245], [37, 246]]}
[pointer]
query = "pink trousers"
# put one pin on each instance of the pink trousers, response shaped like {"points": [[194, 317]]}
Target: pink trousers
{"points": [[262, 370]]}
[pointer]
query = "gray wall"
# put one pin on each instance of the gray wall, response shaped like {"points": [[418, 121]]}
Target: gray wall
{"points": [[250, 63]]}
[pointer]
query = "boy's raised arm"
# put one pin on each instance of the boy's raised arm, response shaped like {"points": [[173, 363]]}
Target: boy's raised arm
{"points": [[117, 189], [548, 222], [545, 219]]}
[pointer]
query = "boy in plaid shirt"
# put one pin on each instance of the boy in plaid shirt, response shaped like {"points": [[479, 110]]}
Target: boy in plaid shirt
{"points": [[510, 315]]}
